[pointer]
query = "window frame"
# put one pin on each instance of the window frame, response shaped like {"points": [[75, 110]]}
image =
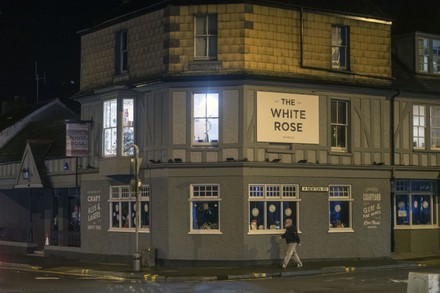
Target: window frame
{"points": [[207, 35], [344, 46], [425, 122], [205, 142], [214, 187], [123, 126], [430, 54], [125, 195], [121, 52], [404, 188], [346, 188], [270, 193], [334, 124]]}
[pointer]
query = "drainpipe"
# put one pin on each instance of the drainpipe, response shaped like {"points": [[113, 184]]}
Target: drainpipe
{"points": [[392, 164]]}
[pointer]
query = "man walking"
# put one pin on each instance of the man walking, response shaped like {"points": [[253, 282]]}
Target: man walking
{"points": [[292, 240]]}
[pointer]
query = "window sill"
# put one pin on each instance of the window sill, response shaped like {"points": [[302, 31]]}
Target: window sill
{"points": [[205, 232], [122, 76], [341, 230], [204, 64], [128, 230], [336, 152], [418, 227], [266, 232]]}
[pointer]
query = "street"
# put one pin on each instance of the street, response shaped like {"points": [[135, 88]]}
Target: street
{"points": [[26, 281]]}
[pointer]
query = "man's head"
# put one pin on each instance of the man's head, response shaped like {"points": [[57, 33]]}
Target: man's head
{"points": [[288, 222]]}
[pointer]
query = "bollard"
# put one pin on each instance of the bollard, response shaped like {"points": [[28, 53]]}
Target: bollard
{"points": [[423, 283], [136, 262]]}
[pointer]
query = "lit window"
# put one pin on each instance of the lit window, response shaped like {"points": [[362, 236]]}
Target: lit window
{"points": [[206, 118], [121, 58], [205, 36], [205, 208], [340, 49], [270, 205], [414, 203], [340, 201], [123, 211], [428, 55], [426, 127], [111, 127], [339, 125], [419, 126]]}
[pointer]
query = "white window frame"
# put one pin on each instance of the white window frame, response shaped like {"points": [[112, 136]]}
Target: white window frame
{"points": [[265, 194], [340, 47], [207, 36], [120, 126], [121, 194], [404, 188], [335, 125], [428, 54], [121, 58], [340, 193], [206, 140], [204, 193], [426, 127]]}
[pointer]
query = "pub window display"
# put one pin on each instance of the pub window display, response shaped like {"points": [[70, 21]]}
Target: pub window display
{"points": [[205, 208], [123, 211], [340, 201], [270, 205], [414, 203]]}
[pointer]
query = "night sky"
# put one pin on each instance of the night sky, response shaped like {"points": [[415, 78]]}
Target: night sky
{"points": [[45, 31]]}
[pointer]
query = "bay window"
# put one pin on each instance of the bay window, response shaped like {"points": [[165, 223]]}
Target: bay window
{"points": [[118, 130]]}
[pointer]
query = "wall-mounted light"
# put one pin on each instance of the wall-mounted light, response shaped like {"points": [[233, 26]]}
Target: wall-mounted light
{"points": [[177, 160], [276, 160], [66, 166], [302, 161], [230, 159], [25, 173]]}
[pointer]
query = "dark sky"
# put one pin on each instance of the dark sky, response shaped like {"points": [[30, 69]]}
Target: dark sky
{"points": [[45, 31]]}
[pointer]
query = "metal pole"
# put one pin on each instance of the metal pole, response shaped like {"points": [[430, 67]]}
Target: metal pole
{"points": [[136, 256]]}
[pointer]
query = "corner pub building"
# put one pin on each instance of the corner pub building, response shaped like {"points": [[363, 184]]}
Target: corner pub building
{"points": [[247, 113]]}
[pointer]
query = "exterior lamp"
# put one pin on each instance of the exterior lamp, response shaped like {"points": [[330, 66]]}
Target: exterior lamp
{"points": [[25, 173]]}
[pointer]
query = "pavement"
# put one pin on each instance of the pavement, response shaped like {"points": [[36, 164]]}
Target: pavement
{"points": [[121, 271]]}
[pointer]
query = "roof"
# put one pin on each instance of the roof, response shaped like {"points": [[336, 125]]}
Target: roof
{"points": [[49, 135], [132, 8], [407, 80]]}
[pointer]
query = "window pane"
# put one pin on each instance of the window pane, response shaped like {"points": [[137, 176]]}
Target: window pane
{"points": [[212, 24], [257, 211], [200, 104], [212, 130], [342, 113], [205, 215], [125, 215], [402, 210], [289, 211], [201, 46], [274, 213], [339, 214], [200, 25], [212, 105], [145, 214], [212, 48], [421, 210], [115, 212]]}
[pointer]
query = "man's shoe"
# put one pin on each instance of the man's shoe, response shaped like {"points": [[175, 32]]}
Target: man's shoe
{"points": [[284, 266], [299, 265]]}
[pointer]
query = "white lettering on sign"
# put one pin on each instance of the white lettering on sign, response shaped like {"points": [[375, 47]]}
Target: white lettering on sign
{"points": [[94, 210], [315, 188], [372, 210]]}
